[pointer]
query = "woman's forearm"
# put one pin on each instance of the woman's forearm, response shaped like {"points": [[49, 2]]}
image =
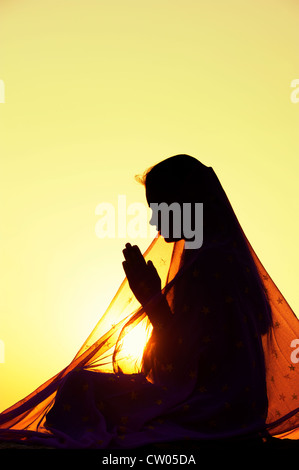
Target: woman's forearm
{"points": [[159, 312]]}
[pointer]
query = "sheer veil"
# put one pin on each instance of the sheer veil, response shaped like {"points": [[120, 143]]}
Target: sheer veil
{"points": [[182, 272]]}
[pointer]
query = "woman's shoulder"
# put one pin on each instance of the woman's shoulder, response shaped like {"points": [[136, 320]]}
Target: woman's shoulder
{"points": [[219, 261], [216, 253]]}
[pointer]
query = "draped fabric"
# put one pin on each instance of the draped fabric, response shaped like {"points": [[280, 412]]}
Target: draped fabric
{"points": [[222, 367]]}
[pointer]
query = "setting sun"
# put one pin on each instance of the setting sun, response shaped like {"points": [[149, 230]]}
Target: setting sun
{"points": [[132, 348], [93, 93]]}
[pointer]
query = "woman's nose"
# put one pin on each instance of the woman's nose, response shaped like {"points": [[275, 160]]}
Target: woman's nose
{"points": [[155, 220]]}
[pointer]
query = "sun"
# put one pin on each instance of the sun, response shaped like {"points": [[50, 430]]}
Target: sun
{"points": [[132, 348]]}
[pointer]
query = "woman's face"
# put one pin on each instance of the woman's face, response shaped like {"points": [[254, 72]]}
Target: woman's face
{"points": [[167, 214], [174, 217]]}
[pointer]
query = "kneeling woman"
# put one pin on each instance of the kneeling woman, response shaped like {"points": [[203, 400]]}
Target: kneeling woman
{"points": [[203, 368]]}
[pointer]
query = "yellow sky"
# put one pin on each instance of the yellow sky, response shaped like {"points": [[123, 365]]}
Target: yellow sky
{"points": [[95, 92]]}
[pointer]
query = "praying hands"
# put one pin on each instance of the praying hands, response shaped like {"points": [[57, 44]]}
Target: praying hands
{"points": [[142, 276]]}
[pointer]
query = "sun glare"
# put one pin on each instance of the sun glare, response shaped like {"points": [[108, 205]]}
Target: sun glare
{"points": [[133, 346], [104, 97]]}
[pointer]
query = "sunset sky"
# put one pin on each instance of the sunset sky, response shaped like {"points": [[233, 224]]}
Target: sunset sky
{"points": [[96, 91]]}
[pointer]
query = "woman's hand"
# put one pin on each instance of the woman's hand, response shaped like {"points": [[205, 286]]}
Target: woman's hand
{"points": [[143, 278]]}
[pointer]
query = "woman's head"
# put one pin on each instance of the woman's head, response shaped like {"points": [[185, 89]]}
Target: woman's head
{"points": [[175, 179], [181, 183]]}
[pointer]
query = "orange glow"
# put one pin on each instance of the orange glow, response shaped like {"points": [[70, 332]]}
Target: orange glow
{"points": [[95, 93], [132, 348]]}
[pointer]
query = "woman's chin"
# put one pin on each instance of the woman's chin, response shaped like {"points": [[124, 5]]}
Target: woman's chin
{"points": [[169, 239]]}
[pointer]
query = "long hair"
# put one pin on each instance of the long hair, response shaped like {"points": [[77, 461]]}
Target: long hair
{"points": [[183, 177]]}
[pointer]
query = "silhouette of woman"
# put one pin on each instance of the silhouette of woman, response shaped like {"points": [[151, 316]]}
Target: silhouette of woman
{"points": [[207, 371]]}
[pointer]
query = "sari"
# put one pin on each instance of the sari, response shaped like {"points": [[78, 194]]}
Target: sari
{"points": [[222, 368]]}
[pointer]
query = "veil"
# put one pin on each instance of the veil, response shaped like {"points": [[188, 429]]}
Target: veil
{"points": [[252, 302]]}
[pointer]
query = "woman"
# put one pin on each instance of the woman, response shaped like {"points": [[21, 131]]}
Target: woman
{"points": [[207, 370]]}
